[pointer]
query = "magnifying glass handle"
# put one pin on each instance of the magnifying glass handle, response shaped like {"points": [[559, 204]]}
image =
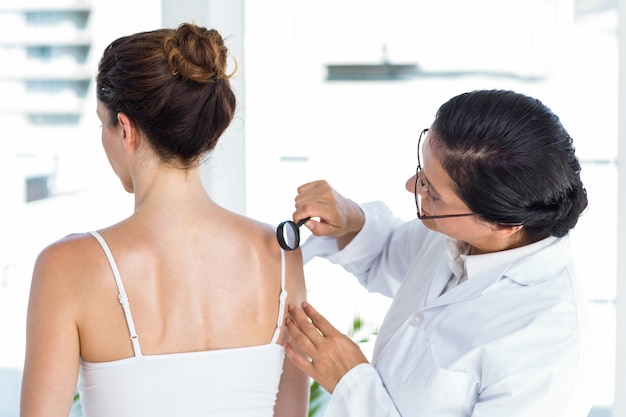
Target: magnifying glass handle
{"points": [[302, 221]]}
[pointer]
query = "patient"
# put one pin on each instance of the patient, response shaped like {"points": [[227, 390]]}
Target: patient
{"points": [[178, 309]]}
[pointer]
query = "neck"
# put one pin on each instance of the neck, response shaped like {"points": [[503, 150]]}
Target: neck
{"points": [[516, 240], [164, 186]]}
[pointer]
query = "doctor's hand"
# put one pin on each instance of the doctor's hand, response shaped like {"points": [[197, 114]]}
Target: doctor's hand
{"points": [[329, 353], [338, 216]]}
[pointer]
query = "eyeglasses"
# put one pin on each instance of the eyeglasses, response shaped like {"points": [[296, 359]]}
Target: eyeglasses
{"points": [[422, 186]]}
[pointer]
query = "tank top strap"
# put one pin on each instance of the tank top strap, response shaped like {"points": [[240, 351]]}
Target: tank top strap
{"points": [[123, 298], [282, 298]]}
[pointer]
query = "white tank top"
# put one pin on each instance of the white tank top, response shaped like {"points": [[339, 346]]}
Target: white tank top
{"points": [[238, 382]]}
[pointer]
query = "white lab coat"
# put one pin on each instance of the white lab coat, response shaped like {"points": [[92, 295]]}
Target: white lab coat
{"points": [[507, 342]]}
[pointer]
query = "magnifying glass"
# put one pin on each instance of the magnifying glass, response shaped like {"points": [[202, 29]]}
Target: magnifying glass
{"points": [[288, 234]]}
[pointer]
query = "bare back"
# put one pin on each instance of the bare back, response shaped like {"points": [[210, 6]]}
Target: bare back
{"points": [[212, 285], [198, 278]]}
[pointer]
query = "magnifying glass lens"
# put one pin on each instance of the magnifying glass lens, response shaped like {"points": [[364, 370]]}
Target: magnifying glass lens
{"points": [[291, 235], [288, 234]]}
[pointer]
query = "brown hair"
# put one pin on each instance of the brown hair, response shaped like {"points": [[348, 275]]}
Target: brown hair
{"points": [[172, 83]]}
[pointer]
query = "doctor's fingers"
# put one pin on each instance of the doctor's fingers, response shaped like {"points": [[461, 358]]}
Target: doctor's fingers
{"points": [[312, 188], [310, 367], [311, 321], [335, 218], [322, 342], [301, 361], [319, 321], [301, 329], [315, 205], [318, 193], [335, 353], [328, 362]]}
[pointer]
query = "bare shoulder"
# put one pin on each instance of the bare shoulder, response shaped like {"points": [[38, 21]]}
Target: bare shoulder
{"points": [[67, 260], [58, 288], [255, 227], [294, 268], [264, 235], [66, 251]]}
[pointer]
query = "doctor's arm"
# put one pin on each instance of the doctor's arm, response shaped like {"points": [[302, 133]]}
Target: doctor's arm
{"points": [[367, 240], [339, 217], [338, 365]]}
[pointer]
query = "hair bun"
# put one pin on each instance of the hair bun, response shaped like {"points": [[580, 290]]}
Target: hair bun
{"points": [[197, 54]]}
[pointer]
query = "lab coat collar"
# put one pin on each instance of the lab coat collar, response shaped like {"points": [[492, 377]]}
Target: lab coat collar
{"points": [[539, 261], [526, 265]]}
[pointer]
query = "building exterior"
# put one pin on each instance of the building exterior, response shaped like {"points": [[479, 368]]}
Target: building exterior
{"points": [[47, 49]]}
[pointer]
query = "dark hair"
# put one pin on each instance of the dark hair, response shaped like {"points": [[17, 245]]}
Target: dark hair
{"points": [[511, 161], [172, 84]]}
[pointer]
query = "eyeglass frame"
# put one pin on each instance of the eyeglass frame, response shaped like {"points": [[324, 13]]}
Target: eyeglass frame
{"points": [[418, 195]]}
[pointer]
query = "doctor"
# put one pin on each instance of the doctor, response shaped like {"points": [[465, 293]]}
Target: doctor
{"points": [[486, 318]]}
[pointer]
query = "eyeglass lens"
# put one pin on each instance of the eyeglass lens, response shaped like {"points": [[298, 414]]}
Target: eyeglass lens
{"points": [[419, 184], [418, 196]]}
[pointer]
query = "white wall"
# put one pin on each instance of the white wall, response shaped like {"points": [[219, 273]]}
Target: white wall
{"points": [[619, 407], [224, 173]]}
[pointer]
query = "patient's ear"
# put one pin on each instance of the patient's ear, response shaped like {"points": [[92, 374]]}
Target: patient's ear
{"points": [[130, 133]]}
